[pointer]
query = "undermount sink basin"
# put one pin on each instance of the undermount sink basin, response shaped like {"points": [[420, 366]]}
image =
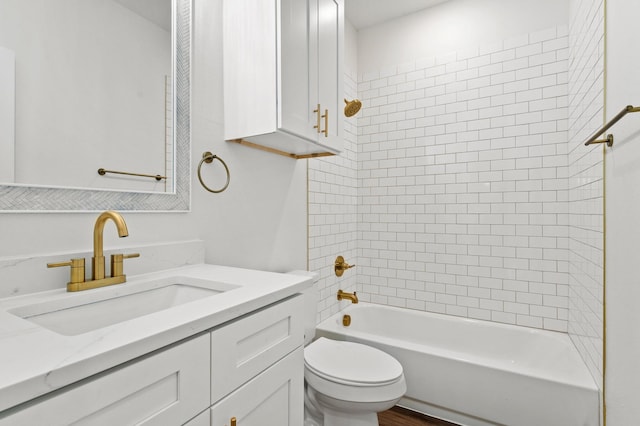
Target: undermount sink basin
{"points": [[80, 313]]}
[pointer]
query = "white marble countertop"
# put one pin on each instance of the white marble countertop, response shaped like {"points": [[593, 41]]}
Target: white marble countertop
{"points": [[35, 360]]}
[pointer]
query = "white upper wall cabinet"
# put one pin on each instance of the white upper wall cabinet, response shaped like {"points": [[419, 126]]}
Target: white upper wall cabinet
{"points": [[283, 66]]}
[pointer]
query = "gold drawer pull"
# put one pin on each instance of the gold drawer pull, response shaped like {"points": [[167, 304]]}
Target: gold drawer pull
{"points": [[326, 123], [317, 111]]}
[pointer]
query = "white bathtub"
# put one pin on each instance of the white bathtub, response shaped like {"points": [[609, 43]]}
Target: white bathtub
{"points": [[477, 373]]}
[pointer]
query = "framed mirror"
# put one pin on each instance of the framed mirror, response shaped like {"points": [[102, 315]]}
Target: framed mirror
{"points": [[139, 130]]}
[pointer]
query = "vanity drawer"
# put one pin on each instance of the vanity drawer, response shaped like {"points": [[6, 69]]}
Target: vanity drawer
{"points": [[167, 388], [274, 398], [244, 348]]}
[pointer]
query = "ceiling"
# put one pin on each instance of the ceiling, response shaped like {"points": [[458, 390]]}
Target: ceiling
{"points": [[365, 13], [158, 12]]}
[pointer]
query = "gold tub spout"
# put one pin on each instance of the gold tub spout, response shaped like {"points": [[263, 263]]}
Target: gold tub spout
{"points": [[349, 296]]}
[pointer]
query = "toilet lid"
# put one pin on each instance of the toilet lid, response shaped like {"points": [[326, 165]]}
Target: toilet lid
{"points": [[351, 363]]}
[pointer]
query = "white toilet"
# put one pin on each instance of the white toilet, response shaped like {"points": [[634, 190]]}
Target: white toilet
{"points": [[346, 383]]}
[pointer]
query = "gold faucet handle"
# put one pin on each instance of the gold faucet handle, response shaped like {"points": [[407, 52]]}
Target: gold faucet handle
{"points": [[77, 269], [117, 261]]}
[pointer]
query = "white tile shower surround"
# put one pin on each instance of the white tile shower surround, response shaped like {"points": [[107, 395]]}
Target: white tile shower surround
{"points": [[398, 167], [586, 233], [462, 183], [333, 215]]}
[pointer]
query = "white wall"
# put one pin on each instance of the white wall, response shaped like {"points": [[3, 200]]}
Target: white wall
{"points": [[259, 222], [622, 200], [454, 26], [586, 233]]}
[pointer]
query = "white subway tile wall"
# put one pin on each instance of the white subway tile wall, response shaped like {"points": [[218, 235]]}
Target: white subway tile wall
{"points": [[462, 182], [469, 191], [586, 198], [333, 215]]}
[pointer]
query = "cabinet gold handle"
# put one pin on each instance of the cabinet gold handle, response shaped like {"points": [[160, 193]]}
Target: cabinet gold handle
{"points": [[317, 111], [326, 123], [233, 421]]}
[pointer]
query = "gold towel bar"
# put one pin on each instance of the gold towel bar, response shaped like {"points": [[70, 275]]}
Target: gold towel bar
{"points": [[103, 172], [614, 120]]}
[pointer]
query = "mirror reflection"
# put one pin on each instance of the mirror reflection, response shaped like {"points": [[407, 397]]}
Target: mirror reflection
{"points": [[86, 84]]}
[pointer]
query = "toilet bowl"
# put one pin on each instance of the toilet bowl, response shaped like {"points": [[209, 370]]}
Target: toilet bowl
{"points": [[347, 384]]}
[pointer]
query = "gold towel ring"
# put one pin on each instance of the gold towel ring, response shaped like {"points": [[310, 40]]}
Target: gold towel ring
{"points": [[208, 158]]}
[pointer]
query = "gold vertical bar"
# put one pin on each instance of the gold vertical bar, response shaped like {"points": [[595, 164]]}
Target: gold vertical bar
{"points": [[317, 111], [308, 221], [326, 123], [604, 231]]}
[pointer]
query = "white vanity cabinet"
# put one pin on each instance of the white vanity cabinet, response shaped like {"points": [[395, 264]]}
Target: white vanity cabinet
{"points": [[283, 66], [250, 368], [275, 397], [167, 388], [203, 419], [257, 373]]}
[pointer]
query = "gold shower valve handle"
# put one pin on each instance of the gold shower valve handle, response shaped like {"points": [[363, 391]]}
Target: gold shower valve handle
{"points": [[341, 266]]}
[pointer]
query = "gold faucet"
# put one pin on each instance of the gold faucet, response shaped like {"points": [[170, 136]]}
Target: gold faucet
{"points": [[97, 262], [77, 282], [349, 296]]}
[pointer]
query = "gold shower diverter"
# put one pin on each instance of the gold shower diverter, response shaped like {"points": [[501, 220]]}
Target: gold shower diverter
{"points": [[346, 320]]}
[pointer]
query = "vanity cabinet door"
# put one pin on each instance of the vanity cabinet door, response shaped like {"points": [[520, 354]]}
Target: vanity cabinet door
{"points": [[167, 388], [275, 397], [297, 69], [329, 83], [244, 348], [203, 419]]}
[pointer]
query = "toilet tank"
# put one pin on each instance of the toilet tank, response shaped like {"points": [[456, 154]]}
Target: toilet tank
{"points": [[311, 298]]}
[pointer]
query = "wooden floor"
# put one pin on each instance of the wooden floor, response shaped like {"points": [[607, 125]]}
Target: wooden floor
{"points": [[402, 417]]}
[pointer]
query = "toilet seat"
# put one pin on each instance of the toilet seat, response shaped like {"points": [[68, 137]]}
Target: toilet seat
{"points": [[351, 364]]}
